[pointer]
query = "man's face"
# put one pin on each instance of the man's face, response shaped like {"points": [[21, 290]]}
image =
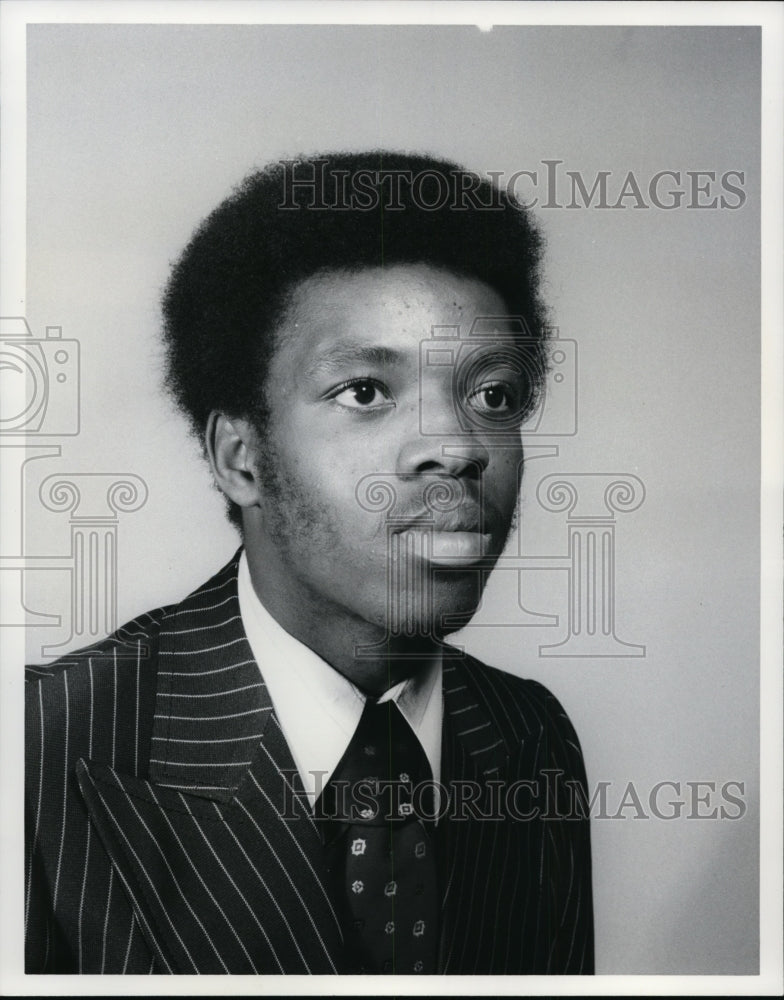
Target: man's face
{"points": [[380, 495]]}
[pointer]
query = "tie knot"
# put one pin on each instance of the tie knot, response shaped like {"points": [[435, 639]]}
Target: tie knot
{"points": [[382, 774]]}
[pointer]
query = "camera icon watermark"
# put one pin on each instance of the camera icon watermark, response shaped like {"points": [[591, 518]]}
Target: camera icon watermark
{"points": [[40, 381], [534, 380], [40, 401], [555, 413]]}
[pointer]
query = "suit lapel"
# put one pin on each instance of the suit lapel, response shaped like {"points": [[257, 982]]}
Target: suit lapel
{"points": [[217, 850], [212, 706]]}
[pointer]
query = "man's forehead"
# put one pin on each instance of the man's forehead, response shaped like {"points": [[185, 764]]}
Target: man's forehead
{"points": [[338, 314]]}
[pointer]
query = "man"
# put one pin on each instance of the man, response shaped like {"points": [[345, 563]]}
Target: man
{"points": [[291, 771]]}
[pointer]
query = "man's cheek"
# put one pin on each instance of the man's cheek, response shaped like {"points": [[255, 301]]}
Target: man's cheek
{"points": [[507, 478]]}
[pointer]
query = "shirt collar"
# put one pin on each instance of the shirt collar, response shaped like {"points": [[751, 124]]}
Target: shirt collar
{"points": [[318, 708]]}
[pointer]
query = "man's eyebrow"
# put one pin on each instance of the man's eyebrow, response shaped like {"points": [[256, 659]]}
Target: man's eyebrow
{"points": [[346, 353]]}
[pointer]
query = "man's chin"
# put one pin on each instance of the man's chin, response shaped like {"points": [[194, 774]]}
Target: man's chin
{"points": [[447, 606]]}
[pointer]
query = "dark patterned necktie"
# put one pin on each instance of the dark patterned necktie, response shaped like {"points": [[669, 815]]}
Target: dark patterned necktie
{"points": [[379, 849]]}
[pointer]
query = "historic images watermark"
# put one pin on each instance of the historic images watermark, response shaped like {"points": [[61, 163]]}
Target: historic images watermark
{"points": [[550, 185], [548, 796]]}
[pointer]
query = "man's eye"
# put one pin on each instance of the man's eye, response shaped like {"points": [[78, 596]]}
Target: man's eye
{"points": [[493, 398], [362, 394]]}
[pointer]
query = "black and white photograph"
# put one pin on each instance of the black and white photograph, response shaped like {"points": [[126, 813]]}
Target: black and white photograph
{"points": [[391, 545]]}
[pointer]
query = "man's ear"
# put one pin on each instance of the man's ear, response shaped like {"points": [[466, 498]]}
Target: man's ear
{"points": [[230, 449]]}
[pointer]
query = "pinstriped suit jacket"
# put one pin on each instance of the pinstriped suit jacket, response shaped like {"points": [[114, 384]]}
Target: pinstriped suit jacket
{"points": [[167, 829]]}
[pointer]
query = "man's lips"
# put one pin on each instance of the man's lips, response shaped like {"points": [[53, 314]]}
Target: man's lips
{"points": [[459, 548], [456, 538], [462, 519]]}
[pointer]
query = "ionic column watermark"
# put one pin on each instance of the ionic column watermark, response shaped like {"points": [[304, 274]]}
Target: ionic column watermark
{"points": [[591, 501], [94, 502]]}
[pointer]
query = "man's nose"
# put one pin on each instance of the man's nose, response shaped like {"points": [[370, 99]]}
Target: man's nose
{"points": [[459, 455]]}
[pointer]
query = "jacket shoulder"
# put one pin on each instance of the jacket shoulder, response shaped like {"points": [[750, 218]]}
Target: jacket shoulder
{"points": [[103, 693], [520, 692], [526, 712], [115, 679], [138, 638]]}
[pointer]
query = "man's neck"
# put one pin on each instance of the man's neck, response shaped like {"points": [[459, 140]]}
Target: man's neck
{"points": [[365, 653]]}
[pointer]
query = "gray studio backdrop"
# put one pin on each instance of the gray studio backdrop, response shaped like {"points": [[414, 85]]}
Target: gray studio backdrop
{"points": [[135, 132]]}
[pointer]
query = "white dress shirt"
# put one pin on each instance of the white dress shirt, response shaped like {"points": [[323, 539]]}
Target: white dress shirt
{"points": [[317, 707]]}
